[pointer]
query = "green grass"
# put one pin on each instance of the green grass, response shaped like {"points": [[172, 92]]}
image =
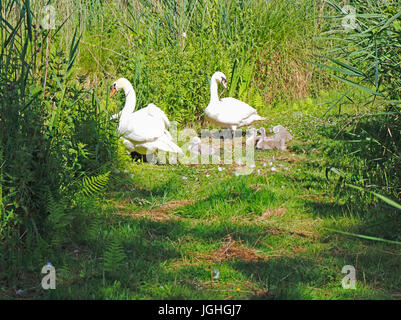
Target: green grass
{"points": [[160, 232], [136, 243]]}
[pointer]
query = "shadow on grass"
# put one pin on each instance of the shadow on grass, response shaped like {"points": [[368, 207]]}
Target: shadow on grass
{"points": [[374, 141], [157, 267], [325, 208], [161, 255]]}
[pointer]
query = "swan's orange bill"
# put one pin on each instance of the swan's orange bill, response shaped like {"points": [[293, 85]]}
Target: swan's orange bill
{"points": [[112, 92]]}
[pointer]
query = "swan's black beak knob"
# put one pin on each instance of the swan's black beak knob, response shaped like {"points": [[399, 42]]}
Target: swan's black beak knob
{"points": [[112, 90], [224, 82]]}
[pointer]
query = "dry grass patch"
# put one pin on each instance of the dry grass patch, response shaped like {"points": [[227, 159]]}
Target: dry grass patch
{"points": [[232, 249], [273, 213], [161, 213]]}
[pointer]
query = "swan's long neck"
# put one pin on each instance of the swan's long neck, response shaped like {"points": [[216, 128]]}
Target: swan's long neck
{"points": [[130, 99], [214, 97]]}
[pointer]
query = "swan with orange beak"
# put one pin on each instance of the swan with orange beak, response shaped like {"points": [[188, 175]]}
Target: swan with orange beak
{"points": [[146, 130]]}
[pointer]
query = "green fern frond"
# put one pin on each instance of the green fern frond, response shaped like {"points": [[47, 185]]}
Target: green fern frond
{"points": [[94, 185], [114, 256], [247, 72], [242, 91], [255, 99], [94, 229], [58, 212]]}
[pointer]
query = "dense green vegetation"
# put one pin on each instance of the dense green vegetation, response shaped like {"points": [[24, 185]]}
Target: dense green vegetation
{"points": [[368, 59], [177, 231]]}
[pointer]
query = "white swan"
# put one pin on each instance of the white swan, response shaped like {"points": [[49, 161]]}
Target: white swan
{"points": [[228, 112], [145, 130]]}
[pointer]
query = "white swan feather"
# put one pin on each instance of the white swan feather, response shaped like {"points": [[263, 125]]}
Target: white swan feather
{"points": [[145, 130]]}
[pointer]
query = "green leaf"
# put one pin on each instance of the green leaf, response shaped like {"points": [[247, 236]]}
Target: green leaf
{"points": [[335, 103], [358, 86], [381, 197], [334, 5], [345, 71], [390, 21], [364, 237], [347, 66]]}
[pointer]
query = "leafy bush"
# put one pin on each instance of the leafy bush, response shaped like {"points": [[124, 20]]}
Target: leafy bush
{"points": [[52, 133]]}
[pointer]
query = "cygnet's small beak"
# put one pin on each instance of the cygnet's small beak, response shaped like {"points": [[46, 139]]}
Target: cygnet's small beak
{"points": [[113, 91], [224, 82]]}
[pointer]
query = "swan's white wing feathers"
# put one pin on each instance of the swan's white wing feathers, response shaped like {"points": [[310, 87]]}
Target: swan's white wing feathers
{"points": [[162, 143], [155, 111], [232, 111], [140, 126]]}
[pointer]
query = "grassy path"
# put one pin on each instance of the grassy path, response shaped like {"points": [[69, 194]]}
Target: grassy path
{"points": [[200, 232]]}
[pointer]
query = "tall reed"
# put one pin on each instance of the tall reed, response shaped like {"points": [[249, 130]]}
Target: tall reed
{"points": [[365, 57], [146, 40]]}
